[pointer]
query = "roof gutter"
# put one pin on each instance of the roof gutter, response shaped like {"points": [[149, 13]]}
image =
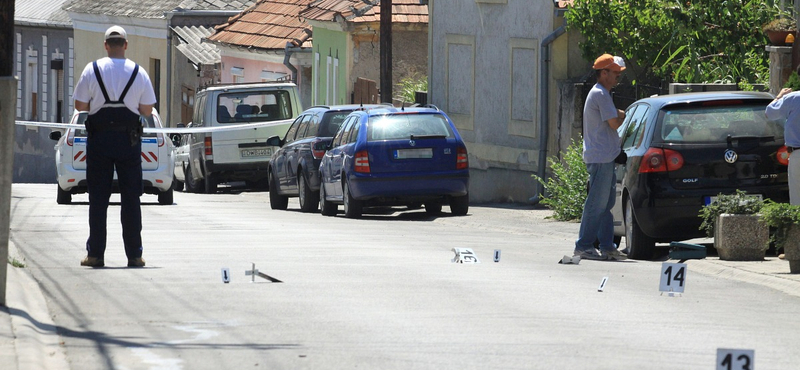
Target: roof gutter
{"points": [[544, 111]]}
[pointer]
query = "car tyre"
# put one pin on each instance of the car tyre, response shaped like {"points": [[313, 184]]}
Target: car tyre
{"points": [[308, 199], [276, 201], [63, 196], [165, 198], [210, 184], [327, 208], [640, 246], [459, 206], [192, 185], [178, 185], [352, 206], [433, 208]]}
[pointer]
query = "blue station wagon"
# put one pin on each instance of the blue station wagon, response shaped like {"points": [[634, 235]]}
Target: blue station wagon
{"points": [[393, 157]]}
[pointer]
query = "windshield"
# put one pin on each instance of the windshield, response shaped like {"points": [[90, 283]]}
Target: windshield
{"points": [[714, 124], [403, 126], [254, 106]]}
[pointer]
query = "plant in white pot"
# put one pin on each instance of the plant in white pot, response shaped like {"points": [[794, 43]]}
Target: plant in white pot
{"points": [[785, 219], [733, 221]]}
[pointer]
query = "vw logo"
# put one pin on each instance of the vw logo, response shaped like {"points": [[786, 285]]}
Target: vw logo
{"points": [[412, 143], [731, 156]]}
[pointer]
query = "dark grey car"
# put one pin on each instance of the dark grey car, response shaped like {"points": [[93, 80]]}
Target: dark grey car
{"points": [[294, 168]]}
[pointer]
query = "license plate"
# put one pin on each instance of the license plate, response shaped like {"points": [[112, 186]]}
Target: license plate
{"points": [[709, 200], [413, 153], [249, 153]]}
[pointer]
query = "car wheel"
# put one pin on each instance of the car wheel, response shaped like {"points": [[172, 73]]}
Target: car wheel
{"points": [[308, 198], [63, 196], [177, 185], [433, 208], [276, 201], [459, 206], [640, 246], [210, 184], [192, 185], [352, 207], [328, 208], [165, 197]]}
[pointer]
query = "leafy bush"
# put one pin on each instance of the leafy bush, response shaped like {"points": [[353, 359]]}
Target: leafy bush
{"points": [[409, 85], [566, 188], [780, 216], [739, 203], [686, 41], [793, 82]]}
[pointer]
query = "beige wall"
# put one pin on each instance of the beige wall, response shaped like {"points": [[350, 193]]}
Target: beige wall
{"points": [[89, 47]]}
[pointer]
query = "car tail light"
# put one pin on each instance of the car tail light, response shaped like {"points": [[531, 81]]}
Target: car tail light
{"points": [[362, 162], [160, 139], [783, 156], [70, 137], [207, 144], [660, 160], [462, 160], [316, 150]]}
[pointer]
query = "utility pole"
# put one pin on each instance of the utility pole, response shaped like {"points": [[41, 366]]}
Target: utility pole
{"points": [[8, 101], [386, 51]]}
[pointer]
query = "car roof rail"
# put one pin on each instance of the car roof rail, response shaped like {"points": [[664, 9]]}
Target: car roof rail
{"points": [[431, 106], [319, 106]]}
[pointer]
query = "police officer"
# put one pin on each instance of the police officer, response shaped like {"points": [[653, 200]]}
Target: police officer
{"points": [[115, 92]]}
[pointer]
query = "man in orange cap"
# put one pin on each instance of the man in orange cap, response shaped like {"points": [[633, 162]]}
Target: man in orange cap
{"points": [[601, 119]]}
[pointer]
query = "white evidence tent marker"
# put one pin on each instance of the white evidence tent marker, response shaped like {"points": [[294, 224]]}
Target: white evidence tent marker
{"points": [[226, 275], [735, 359], [602, 284], [465, 255], [673, 278]]}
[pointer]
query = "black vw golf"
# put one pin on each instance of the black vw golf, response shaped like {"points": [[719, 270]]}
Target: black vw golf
{"points": [[683, 150]]}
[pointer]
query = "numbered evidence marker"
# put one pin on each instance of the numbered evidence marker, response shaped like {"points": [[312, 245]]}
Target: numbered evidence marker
{"points": [[673, 277], [226, 275], [735, 359], [497, 255], [465, 255], [602, 284]]}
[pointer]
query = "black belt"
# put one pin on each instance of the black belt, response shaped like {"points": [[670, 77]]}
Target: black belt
{"points": [[792, 148]]}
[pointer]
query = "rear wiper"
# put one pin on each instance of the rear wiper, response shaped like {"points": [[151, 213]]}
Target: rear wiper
{"points": [[428, 137]]}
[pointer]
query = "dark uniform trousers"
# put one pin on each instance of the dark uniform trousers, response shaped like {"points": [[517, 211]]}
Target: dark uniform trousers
{"points": [[114, 143], [105, 151]]}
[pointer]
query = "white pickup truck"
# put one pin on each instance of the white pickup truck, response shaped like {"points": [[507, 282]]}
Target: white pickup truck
{"points": [[238, 155]]}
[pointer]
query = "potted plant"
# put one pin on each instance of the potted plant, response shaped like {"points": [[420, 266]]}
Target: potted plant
{"points": [[733, 221], [777, 30], [785, 218]]}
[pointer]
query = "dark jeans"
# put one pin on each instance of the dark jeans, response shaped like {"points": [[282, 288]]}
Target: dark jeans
{"points": [[104, 151]]}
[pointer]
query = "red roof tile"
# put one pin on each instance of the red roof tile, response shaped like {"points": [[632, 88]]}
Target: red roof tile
{"points": [[362, 11], [268, 24]]}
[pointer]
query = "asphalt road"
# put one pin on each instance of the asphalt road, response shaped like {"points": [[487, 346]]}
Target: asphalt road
{"points": [[376, 293]]}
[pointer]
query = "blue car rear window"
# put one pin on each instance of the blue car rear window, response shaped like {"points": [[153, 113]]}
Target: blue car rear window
{"points": [[714, 124], [403, 126]]}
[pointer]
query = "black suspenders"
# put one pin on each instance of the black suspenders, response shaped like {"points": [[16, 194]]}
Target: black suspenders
{"points": [[103, 86]]}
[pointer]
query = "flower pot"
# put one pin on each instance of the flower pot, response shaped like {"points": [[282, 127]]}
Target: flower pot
{"points": [[791, 248], [740, 237], [778, 38]]}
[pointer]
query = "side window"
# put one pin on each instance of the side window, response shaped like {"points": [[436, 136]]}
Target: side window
{"points": [[342, 130], [301, 132], [313, 126], [293, 129], [354, 132], [353, 121], [634, 130], [199, 109]]}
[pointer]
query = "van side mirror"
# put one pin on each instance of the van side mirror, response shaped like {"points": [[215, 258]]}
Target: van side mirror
{"points": [[176, 139], [55, 135]]}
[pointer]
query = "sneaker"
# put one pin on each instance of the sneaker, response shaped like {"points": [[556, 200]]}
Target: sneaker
{"points": [[589, 254], [93, 262], [615, 255], [136, 262]]}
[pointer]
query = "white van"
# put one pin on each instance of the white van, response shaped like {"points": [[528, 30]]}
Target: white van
{"points": [[239, 155]]}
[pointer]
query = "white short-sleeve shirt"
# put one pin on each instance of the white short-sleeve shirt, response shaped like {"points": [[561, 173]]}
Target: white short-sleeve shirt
{"points": [[115, 74]]}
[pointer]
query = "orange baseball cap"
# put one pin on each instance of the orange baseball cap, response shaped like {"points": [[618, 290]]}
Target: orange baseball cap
{"points": [[607, 61]]}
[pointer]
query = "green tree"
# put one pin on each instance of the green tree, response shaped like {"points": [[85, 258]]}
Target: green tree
{"points": [[686, 41]]}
